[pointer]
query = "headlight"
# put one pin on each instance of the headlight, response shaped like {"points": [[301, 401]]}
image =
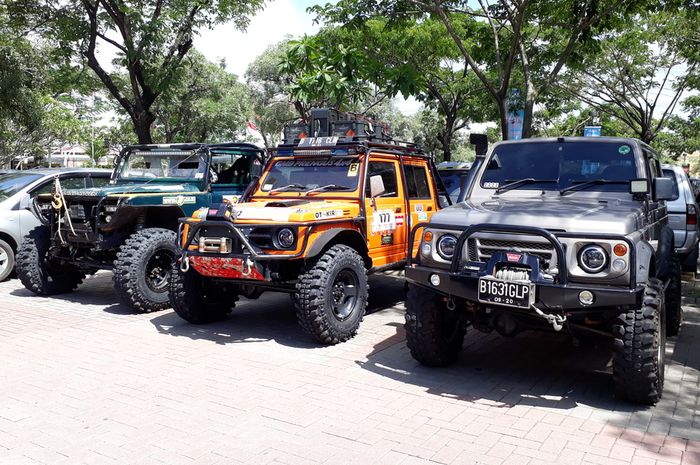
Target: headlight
{"points": [[592, 258], [285, 238], [446, 246]]}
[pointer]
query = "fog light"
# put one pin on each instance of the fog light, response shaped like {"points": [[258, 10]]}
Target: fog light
{"points": [[108, 218], [425, 249], [619, 265], [435, 280], [586, 297]]}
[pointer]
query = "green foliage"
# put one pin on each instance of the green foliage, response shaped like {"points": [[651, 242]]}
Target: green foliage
{"points": [[150, 40], [204, 103]]}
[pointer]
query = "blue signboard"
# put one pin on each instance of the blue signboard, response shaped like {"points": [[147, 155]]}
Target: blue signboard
{"points": [[515, 115], [592, 131]]}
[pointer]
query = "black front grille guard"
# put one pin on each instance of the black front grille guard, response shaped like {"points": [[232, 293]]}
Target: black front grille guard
{"points": [[553, 238], [255, 252]]}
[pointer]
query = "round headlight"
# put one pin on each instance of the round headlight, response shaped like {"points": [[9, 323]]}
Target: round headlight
{"points": [[592, 258], [285, 238], [446, 246]]}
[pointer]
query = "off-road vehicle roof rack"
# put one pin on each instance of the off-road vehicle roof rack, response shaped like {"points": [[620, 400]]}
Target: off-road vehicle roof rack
{"points": [[329, 128]]}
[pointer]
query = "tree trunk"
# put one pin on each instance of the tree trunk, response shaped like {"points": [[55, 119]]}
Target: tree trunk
{"points": [[142, 125], [528, 116], [503, 117]]}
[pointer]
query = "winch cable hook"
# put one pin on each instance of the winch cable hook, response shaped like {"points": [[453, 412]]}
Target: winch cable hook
{"points": [[557, 321], [184, 263]]}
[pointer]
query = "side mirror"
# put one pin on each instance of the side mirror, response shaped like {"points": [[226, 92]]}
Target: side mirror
{"points": [[663, 189], [376, 186], [480, 143]]}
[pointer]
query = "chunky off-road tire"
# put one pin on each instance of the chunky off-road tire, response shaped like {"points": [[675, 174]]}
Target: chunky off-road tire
{"points": [[196, 298], [331, 295], [674, 310], [639, 350], [7, 260], [434, 334], [142, 269], [38, 272]]}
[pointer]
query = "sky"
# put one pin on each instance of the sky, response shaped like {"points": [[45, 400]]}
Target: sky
{"points": [[279, 19]]}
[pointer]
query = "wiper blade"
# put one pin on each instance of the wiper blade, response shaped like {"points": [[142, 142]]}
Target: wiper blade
{"points": [[330, 187], [521, 182], [583, 184], [295, 186]]}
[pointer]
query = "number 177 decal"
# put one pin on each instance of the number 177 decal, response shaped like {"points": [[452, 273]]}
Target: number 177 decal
{"points": [[383, 221]]}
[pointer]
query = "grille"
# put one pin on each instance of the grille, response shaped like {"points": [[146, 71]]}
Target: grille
{"points": [[480, 249], [77, 212]]}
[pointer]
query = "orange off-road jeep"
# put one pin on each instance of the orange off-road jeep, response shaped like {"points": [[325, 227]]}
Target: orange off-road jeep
{"points": [[326, 211]]}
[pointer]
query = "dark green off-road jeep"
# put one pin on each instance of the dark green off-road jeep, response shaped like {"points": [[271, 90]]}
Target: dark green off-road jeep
{"points": [[130, 225]]}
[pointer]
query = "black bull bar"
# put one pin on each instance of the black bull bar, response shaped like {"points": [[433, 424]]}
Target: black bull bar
{"points": [[560, 294]]}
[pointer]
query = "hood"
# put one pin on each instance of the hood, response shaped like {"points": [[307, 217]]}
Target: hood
{"points": [[554, 213], [127, 189], [297, 210]]}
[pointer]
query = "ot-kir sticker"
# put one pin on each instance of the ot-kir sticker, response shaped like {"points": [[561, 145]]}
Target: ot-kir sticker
{"points": [[383, 221]]}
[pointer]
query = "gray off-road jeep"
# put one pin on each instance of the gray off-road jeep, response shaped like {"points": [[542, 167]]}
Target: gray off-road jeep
{"points": [[561, 234], [129, 226]]}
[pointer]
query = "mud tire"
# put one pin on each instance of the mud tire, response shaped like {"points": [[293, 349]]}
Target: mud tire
{"points": [[196, 299], [131, 267], [639, 348], [314, 299], [434, 334], [38, 272]]}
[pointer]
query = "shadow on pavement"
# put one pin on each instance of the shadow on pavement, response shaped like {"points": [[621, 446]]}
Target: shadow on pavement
{"points": [[271, 317]]}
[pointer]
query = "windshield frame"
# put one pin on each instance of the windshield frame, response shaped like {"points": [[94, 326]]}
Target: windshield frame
{"points": [[198, 153], [346, 160], [486, 188]]}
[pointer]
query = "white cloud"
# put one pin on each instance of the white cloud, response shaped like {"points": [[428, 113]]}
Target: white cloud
{"points": [[279, 19]]}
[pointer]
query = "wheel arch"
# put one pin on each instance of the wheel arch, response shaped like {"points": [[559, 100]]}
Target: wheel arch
{"points": [[10, 240], [349, 237]]}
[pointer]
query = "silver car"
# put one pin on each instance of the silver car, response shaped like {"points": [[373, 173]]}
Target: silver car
{"points": [[17, 188], [683, 217]]}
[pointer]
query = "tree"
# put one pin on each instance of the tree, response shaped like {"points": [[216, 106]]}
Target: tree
{"points": [[203, 103], [272, 107], [633, 77], [505, 44], [150, 39]]}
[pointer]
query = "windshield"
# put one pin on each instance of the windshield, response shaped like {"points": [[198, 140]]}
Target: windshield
{"points": [[186, 165], [557, 166], [10, 184], [453, 181], [303, 175]]}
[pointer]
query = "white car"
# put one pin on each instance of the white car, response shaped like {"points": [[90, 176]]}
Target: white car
{"points": [[17, 188]]}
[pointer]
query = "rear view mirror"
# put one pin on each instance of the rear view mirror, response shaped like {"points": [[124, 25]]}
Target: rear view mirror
{"points": [[376, 186], [663, 189], [639, 186]]}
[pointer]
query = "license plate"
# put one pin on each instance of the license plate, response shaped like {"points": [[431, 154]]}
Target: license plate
{"points": [[495, 291]]}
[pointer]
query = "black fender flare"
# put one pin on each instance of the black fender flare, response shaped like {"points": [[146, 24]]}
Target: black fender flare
{"points": [[664, 254], [345, 236]]}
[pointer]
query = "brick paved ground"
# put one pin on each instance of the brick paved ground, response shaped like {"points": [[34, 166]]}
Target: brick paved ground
{"points": [[82, 380]]}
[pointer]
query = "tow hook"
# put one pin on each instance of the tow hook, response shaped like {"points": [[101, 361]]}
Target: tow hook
{"points": [[557, 321], [184, 263], [451, 304], [247, 265]]}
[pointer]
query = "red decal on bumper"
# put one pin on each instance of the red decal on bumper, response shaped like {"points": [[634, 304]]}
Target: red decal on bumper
{"points": [[224, 267]]}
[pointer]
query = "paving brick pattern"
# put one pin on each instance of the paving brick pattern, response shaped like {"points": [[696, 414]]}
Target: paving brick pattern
{"points": [[83, 380]]}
